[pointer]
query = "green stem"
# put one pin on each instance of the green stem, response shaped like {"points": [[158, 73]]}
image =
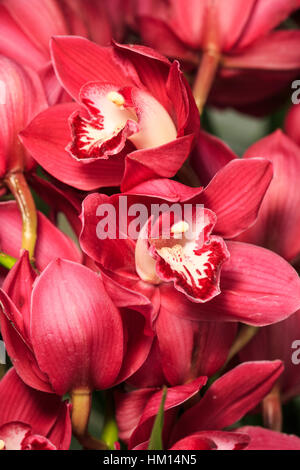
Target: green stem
{"points": [[244, 336], [205, 77], [18, 186], [7, 261], [109, 433]]}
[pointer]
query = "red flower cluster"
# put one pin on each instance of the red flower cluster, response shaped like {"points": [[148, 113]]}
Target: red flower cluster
{"points": [[176, 285]]}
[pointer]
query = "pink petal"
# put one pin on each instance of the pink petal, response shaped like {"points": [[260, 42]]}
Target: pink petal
{"points": [[61, 433], [46, 139], [78, 61], [265, 16], [229, 398], [137, 344], [210, 155], [16, 45], [23, 96], [234, 88], [278, 224], [148, 69], [18, 286], [213, 440], [19, 347], [264, 439], [163, 161], [277, 51], [193, 348], [113, 254], [13, 434], [51, 242], [82, 329], [258, 287], [186, 112], [160, 36], [236, 193], [166, 189], [39, 22], [151, 373], [129, 408]]}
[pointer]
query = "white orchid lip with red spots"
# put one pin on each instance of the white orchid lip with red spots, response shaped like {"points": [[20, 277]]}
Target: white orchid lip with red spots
{"points": [[192, 262], [111, 115]]}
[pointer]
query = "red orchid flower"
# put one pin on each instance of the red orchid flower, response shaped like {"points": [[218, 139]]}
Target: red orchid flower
{"points": [[25, 32], [236, 39], [226, 401], [238, 282], [32, 420], [134, 117], [77, 340], [248, 277]]}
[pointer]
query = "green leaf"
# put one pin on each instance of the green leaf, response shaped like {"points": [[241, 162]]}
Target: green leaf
{"points": [[155, 442]]}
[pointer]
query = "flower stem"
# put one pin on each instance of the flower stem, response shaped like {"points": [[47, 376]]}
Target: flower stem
{"points": [[272, 410], [109, 432], [205, 76], [7, 261], [246, 333], [81, 408], [17, 184]]}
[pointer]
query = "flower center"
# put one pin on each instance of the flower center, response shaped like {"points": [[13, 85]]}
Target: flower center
{"points": [[2, 445], [191, 259], [111, 116]]}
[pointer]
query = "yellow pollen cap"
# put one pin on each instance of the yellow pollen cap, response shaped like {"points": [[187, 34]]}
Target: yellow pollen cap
{"points": [[180, 227], [116, 98], [2, 444]]}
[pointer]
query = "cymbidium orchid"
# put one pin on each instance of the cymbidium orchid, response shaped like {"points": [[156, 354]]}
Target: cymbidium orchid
{"points": [[236, 42], [133, 118], [77, 343], [204, 278], [32, 420]]}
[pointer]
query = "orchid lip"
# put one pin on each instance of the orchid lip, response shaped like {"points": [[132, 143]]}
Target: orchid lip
{"points": [[192, 263], [113, 115]]}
